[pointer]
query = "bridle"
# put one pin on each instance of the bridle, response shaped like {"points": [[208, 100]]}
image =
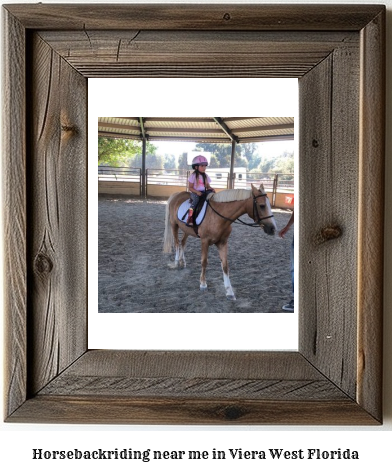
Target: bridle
{"points": [[255, 213]]}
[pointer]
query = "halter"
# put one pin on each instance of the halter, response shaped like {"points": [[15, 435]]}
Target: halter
{"points": [[255, 213]]}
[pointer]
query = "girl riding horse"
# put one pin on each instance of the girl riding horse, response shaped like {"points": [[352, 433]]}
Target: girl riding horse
{"points": [[199, 182]]}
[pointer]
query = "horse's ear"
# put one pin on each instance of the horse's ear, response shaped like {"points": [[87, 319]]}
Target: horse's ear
{"points": [[254, 189], [261, 188]]}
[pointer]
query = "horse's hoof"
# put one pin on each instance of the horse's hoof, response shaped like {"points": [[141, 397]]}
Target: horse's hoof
{"points": [[172, 266], [231, 297], [203, 288]]}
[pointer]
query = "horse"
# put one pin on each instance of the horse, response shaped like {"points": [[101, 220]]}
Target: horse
{"points": [[223, 209]]}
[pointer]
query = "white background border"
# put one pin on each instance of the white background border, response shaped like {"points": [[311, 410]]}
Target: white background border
{"points": [[17, 440], [186, 98]]}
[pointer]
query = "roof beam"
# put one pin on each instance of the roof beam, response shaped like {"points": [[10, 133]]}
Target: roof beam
{"points": [[267, 138], [238, 119], [102, 133], [226, 129], [221, 139], [280, 126], [118, 126], [185, 130], [179, 119], [142, 130], [198, 129]]}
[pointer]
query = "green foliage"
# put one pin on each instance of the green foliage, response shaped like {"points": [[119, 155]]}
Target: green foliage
{"points": [[220, 153], [125, 152], [169, 162], [182, 162], [153, 161], [283, 164], [266, 165], [246, 155], [119, 151]]}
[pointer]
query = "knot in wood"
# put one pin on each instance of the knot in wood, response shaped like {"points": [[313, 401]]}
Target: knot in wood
{"points": [[68, 128], [328, 233], [43, 264], [232, 413], [315, 143], [227, 16]]}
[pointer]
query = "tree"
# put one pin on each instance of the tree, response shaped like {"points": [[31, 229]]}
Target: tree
{"points": [[246, 155], [170, 162], [250, 150], [282, 164], [183, 161], [266, 165], [152, 161], [254, 162], [221, 154], [240, 161], [119, 151]]}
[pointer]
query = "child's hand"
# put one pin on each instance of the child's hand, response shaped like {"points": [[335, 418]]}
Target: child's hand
{"points": [[199, 193]]}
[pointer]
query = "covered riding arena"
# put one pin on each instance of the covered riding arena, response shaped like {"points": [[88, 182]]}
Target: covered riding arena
{"points": [[135, 277]]}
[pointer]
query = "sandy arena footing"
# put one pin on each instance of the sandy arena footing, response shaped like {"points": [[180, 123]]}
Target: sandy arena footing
{"points": [[134, 273]]}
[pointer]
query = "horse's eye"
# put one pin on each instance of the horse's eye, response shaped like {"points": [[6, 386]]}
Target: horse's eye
{"points": [[262, 206]]}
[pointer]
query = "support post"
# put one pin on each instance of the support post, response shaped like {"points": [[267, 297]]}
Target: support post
{"points": [[144, 175], [231, 175]]}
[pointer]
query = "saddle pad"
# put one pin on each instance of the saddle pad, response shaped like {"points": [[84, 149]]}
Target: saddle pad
{"points": [[183, 211]]}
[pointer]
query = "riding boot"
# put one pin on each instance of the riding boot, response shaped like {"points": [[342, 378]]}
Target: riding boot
{"points": [[190, 217]]}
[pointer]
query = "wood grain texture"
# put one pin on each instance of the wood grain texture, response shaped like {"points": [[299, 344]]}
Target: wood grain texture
{"points": [[57, 215], [336, 376], [102, 409], [193, 17], [208, 364], [201, 387], [329, 165], [193, 387], [14, 209], [208, 375], [371, 215], [128, 53]]}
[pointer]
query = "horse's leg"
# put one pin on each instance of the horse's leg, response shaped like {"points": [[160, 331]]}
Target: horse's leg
{"points": [[182, 251], [222, 248], [204, 262], [174, 227]]}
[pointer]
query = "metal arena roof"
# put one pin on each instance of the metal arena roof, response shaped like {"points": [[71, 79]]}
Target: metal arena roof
{"points": [[198, 129]]}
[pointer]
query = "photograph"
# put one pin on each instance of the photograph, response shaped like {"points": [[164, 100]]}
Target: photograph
{"points": [[172, 314], [196, 214]]}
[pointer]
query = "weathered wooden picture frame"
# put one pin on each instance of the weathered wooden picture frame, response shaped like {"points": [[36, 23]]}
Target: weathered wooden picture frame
{"points": [[337, 52]]}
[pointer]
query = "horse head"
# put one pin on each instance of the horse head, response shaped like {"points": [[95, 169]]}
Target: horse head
{"points": [[262, 212]]}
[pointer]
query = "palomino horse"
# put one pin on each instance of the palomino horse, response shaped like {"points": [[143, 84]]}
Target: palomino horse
{"points": [[223, 209]]}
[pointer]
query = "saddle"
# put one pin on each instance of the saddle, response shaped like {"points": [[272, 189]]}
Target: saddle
{"points": [[198, 213]]}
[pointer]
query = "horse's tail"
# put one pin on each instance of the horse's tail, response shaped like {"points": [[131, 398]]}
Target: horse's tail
{"points": [[168, 238]]}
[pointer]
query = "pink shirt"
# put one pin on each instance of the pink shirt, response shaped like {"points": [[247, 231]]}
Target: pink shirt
{"points": [[199, 186]]}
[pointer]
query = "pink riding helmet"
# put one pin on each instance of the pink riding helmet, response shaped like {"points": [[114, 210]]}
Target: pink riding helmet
{"points": [[199, 160]]}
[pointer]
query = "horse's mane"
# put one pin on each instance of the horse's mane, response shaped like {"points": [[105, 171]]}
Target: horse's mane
{"points": [[229, 195]]}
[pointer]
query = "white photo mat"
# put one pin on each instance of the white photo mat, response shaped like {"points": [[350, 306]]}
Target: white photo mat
{"points": [[185, 98]]}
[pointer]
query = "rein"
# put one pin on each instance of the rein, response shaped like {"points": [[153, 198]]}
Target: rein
{"points": [[255, 212]]}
